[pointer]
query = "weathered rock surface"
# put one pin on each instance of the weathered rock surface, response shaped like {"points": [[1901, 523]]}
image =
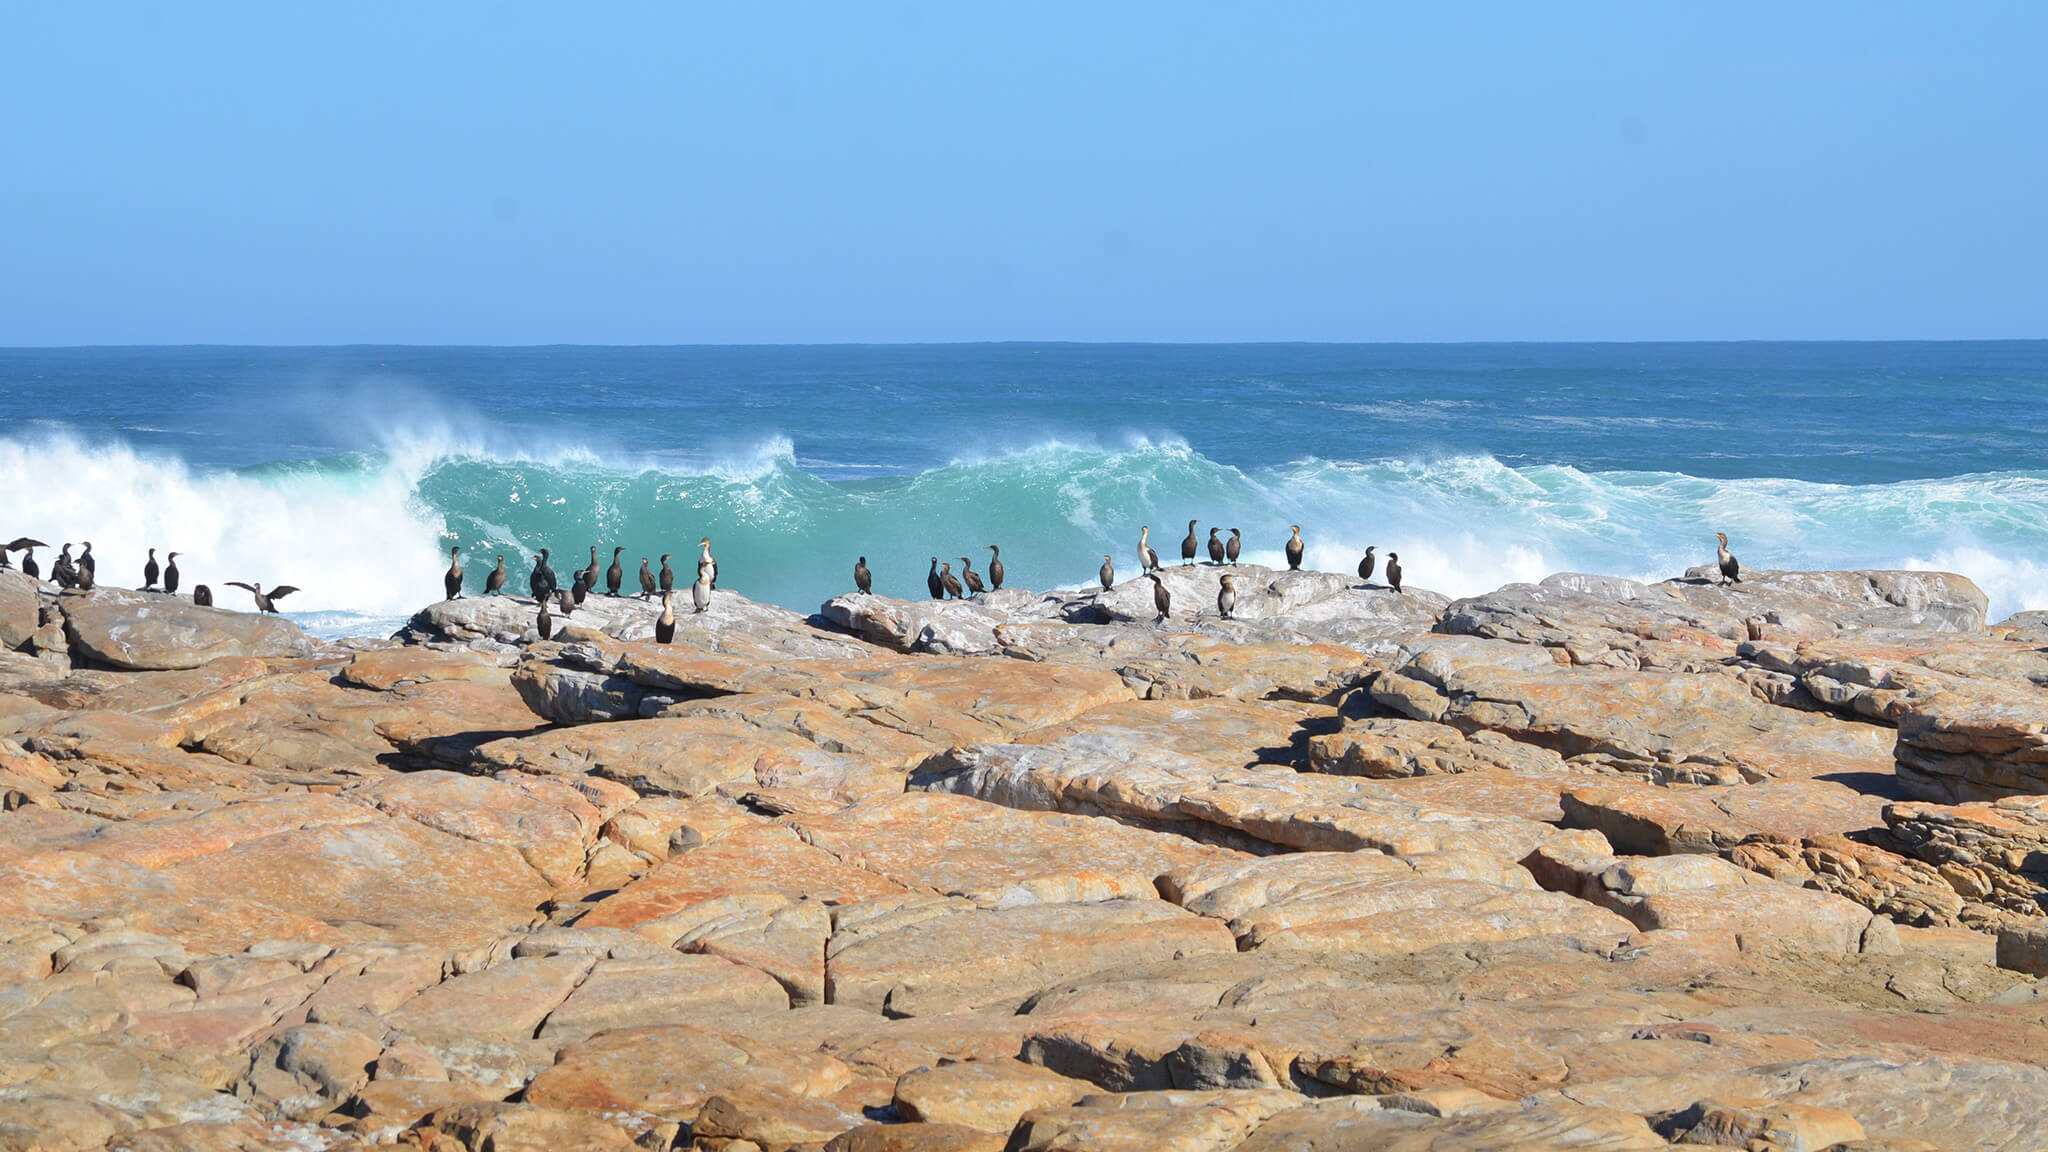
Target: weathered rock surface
{"points": [[1582, 864], [20, 609], [143, 631], [1995, 853]]}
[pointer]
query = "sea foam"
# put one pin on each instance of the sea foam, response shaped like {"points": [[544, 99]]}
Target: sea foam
{"points": [[366, 535]]}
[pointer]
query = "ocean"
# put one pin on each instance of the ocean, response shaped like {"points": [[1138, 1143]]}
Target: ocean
{"points": [[349, 471]]}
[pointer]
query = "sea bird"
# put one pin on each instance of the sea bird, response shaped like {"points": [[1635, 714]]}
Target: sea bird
{"points": [[542, 580], [264, 600], [1731, 569], [665, 627]]}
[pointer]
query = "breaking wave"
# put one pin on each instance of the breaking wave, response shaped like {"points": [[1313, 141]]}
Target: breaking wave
{"points": [[365, 535]]}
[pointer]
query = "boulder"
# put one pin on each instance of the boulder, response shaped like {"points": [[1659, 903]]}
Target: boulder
{"points": [[1975, 741], [1992, 853], [20, 609], [1739, 1122], [985, 1094], [1665, 724], [942, 627], [1647, 820], [2023, 947], [151, 630]]}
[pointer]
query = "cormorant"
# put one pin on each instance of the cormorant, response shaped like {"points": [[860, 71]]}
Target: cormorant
{"points": [[1731, 569], [1161, 598], [264, 600]]}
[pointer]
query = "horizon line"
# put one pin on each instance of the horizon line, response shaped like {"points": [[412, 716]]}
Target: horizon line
{"points": [[198, 345]]}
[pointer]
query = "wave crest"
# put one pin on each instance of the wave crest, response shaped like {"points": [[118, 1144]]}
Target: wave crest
{"points": [[365, 535]]}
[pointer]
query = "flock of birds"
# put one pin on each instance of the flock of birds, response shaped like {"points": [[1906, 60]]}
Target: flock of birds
{"points": [[81, 574], [1222, 552], [547, 591], [942, 583]]}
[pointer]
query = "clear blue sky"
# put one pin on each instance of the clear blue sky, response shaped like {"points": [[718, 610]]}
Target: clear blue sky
{"points": [[682, 173]]}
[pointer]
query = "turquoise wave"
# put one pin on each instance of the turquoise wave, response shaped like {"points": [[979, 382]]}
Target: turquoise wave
{"points": [[365, 535]]}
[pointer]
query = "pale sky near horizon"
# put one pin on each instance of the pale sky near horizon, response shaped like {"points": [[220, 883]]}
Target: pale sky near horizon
{"points": [[465, 173]]}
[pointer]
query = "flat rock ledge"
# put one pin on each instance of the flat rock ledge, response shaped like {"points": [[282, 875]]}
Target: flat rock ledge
{"points": [[1579, 864]]}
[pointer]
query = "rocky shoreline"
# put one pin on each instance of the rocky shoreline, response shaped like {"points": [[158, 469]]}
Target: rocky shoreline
{"points": [[1583, 864]]}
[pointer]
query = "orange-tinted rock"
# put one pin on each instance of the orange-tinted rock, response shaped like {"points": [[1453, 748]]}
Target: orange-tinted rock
{"points": [[915, 1138], [671, 989], [985, 1094], [148, 630], [1001, 956], [997, 856], [1648, 820], [759, 868], [501, 1127], [670, 1072], [667, 757]]}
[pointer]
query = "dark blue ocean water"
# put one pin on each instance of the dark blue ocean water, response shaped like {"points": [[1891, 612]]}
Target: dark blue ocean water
{"points": [[347, 471]]}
